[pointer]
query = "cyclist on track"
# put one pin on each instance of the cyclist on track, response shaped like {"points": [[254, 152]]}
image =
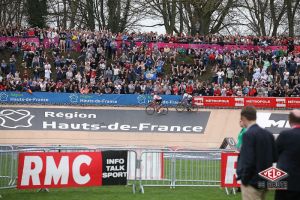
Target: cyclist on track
{"points": [[187, 99], [157, 100]]}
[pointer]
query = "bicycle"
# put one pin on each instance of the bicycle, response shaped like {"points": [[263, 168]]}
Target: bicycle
{"points": [[152, 107], [183, 105]]}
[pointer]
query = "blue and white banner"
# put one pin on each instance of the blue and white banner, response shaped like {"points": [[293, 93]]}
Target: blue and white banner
{"points": [[84, 99]]}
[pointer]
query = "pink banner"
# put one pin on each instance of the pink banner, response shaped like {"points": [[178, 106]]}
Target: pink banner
{"points": [[159, 45], [218, 47], [15, 40]]}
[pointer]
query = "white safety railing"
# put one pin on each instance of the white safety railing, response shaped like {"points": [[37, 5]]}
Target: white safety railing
{"points": [[180, 168]]}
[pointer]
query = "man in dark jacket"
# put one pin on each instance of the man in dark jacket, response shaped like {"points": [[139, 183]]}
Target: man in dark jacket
{"points": [[258, 152], [288, 146]]}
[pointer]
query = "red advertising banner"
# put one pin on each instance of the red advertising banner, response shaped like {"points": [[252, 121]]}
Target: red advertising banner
{"points": [[228, 169], [260, 102], [293, 102], [214, 101], [71, 169], [237, 102], [55, 170]]}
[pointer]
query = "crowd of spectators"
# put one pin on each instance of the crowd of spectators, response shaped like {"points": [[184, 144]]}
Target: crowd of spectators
{"points": [[107, 63]]}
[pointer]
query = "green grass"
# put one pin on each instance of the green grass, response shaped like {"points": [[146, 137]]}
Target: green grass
{"points": [[8, 166], [189, 173], [124, 193], [193, 171], [5, 55]]}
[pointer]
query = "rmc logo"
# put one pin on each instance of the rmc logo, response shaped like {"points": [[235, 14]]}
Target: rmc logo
{"points": [[15, 118]]}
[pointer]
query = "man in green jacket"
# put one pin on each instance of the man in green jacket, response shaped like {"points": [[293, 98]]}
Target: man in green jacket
{"points": [[240, 138], [239, 143]]}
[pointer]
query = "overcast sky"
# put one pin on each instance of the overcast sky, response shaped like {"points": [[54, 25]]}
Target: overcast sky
{"points": [[149, 22]]}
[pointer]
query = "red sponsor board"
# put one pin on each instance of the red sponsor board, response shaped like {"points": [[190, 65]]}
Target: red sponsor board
{"points": [[71, 169], [214, 101], [280, 102], [199, 101], [293, 102], [56, 170], [260, 102], [238, 102], [228, 169]]}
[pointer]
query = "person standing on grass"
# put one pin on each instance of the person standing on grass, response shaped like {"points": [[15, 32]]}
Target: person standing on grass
{"points": [[258, 152], [239, 142], [12, 64], [288, 146], [240, 137]]}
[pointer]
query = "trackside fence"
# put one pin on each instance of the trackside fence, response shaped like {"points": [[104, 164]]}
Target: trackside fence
{"points": [[181, 168], [145, 167]]}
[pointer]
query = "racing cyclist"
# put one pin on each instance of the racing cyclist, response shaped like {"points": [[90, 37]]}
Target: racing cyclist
{"points": [[187, 100], [157, 100]]}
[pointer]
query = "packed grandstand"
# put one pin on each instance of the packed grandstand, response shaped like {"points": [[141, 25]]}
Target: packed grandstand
{"points": [[69, 61]]}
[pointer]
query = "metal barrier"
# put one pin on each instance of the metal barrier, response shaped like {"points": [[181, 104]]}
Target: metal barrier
{"points": [[6, 166], [8, 163], [158, 168], [180, 168]]}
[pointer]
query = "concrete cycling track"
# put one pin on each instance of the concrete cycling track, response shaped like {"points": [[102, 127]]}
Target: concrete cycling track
{"points": [[216, 123]]}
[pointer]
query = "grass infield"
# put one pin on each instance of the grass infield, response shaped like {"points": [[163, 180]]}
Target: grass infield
{"points": [[124, 193]]}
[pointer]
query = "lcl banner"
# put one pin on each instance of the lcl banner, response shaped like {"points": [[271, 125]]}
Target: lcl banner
{"points": [[71, 169]]}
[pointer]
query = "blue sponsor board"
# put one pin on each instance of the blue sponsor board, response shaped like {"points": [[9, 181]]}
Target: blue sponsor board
{"points": [[84, 99]]}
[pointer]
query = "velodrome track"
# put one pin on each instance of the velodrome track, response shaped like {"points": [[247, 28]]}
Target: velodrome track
{"points": [[216, 125]]}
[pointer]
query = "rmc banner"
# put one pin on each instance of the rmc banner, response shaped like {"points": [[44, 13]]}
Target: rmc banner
{"points": [[228, 169], [71, 169], [84, 99]]}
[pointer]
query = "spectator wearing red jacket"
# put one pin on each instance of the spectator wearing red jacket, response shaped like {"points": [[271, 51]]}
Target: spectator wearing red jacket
{"points": [[217, 92], [2, 87], [252, 92], [30, 33], [229, 92], [212, 58], [189, 89], [175, 89]]}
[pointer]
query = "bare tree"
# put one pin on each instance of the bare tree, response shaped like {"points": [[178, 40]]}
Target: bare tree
{"points": [[11, 13], [277, 10], [263, 17], [292, 6], [258, 17], [208, 16], [165, 10]]}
